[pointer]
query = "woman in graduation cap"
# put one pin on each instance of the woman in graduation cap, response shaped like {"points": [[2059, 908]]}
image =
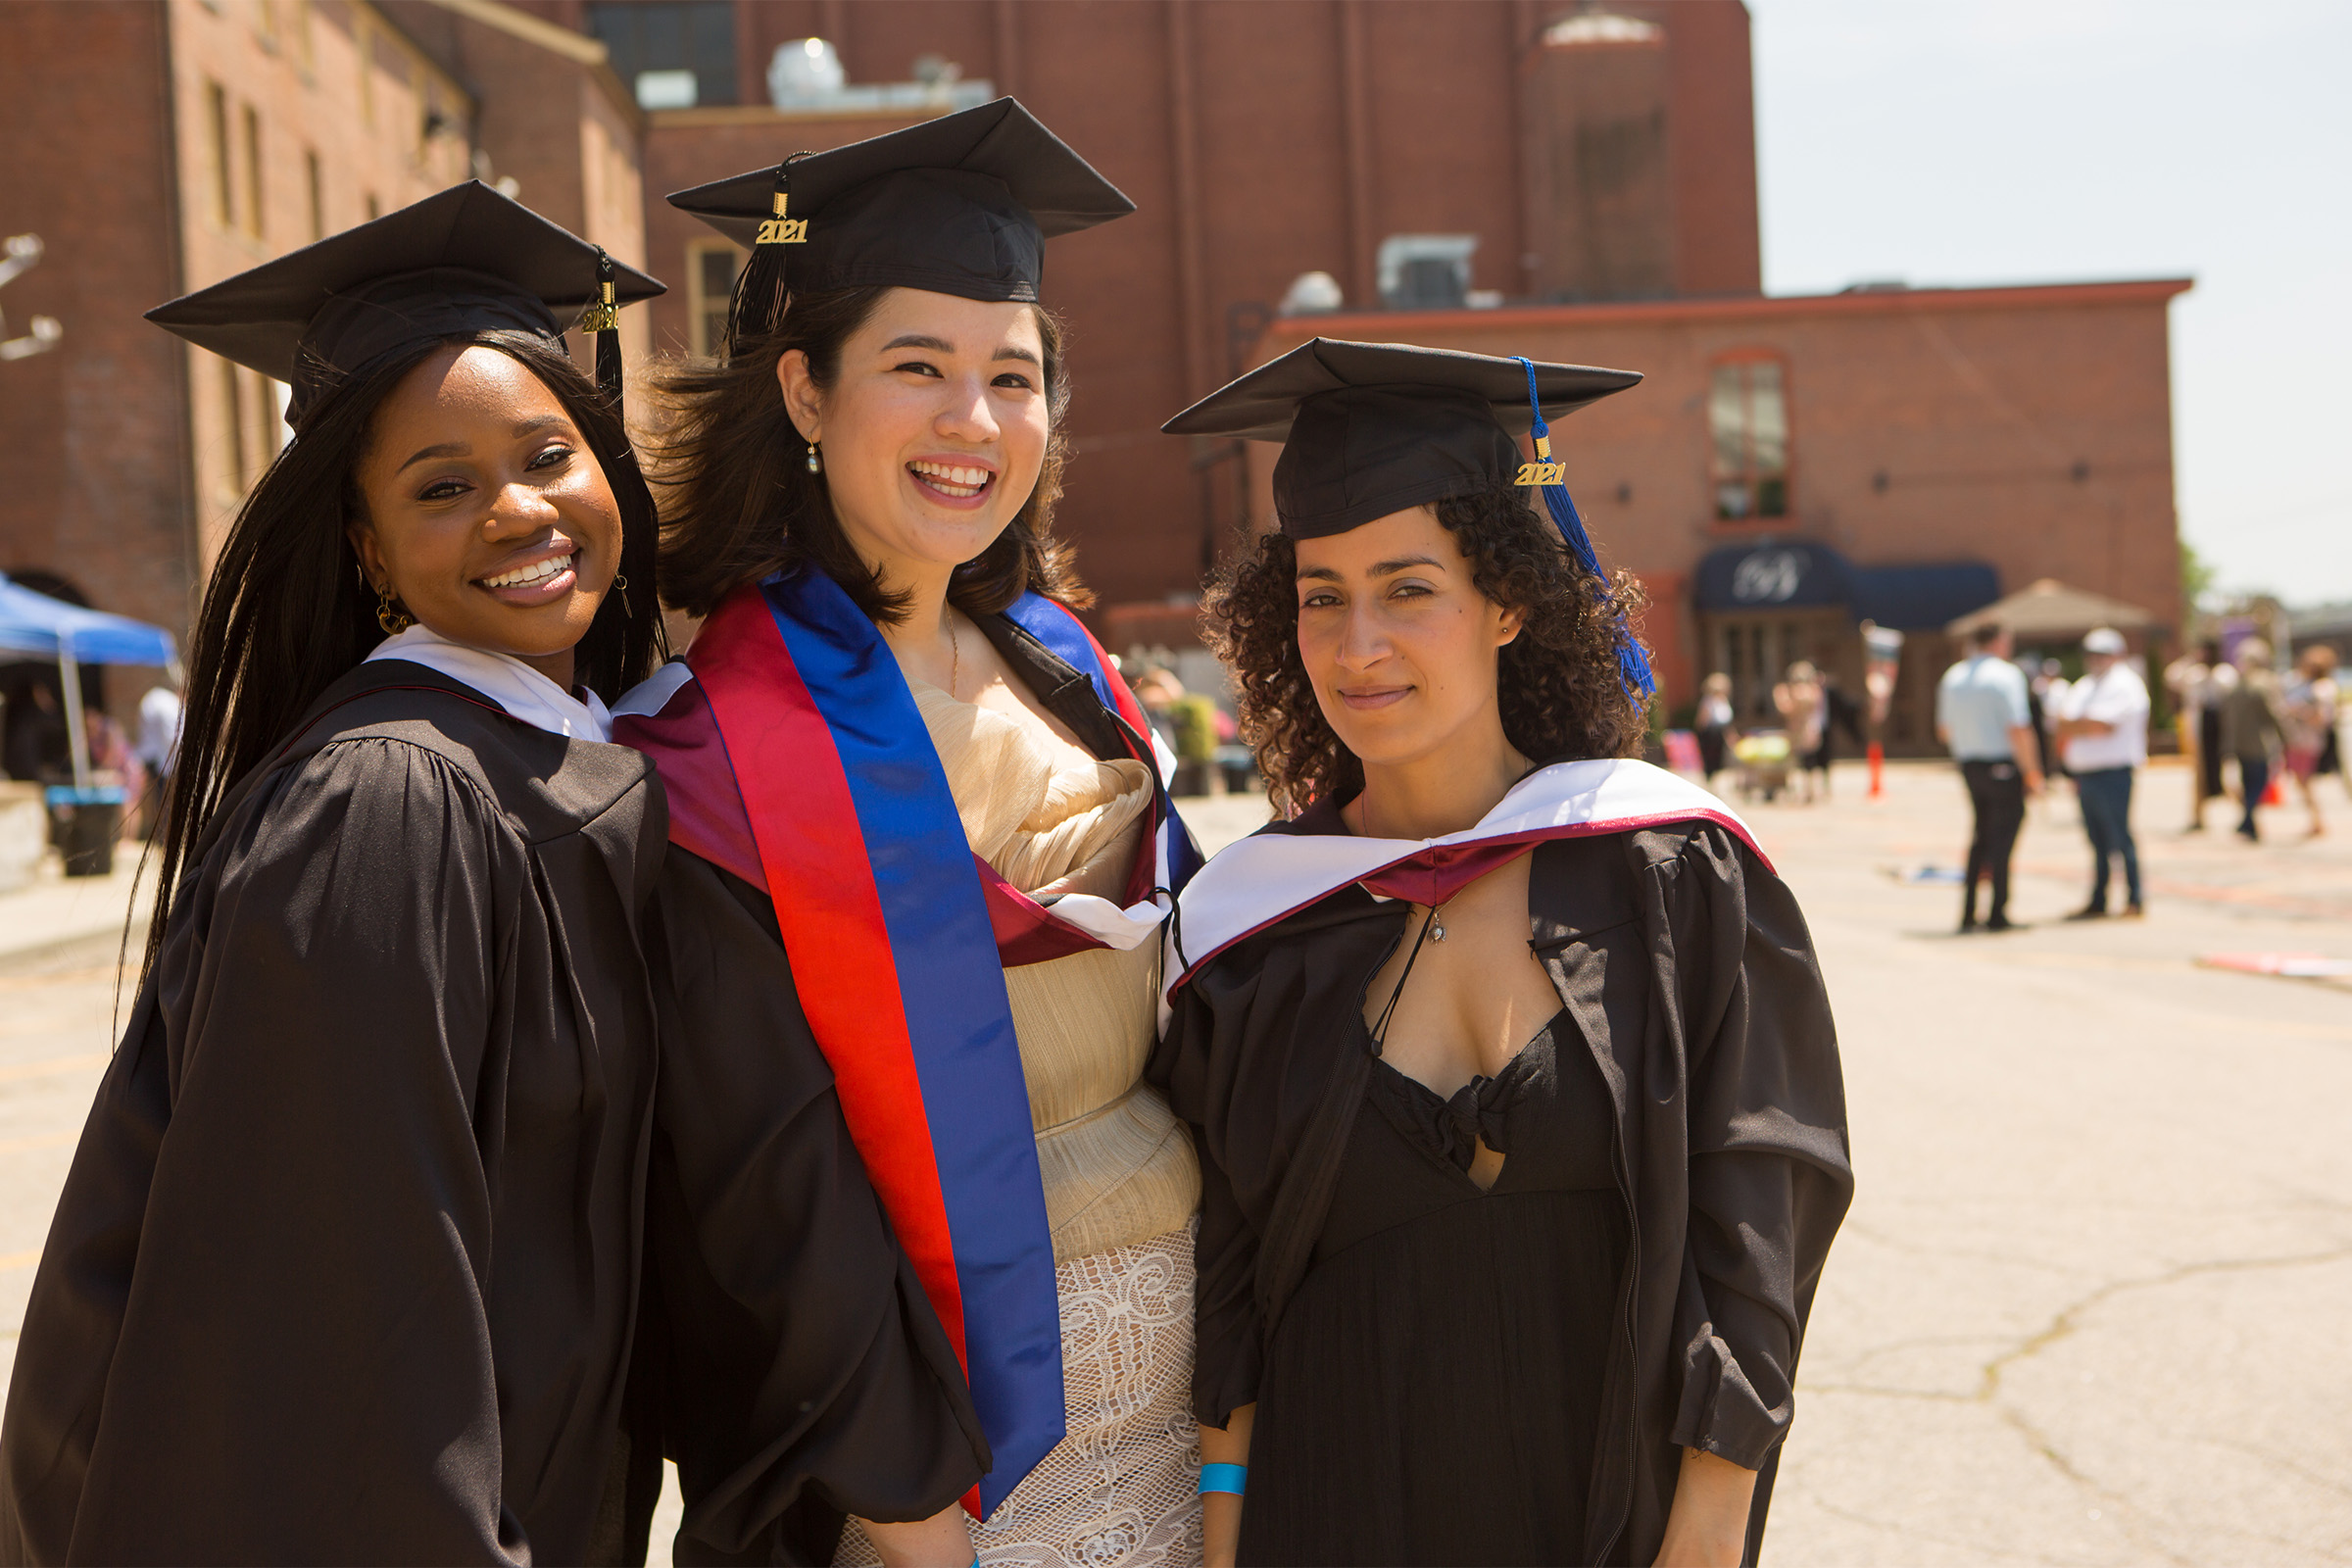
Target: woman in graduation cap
{"points": [[917, 819], [1513, 1078], [346, 1267]]}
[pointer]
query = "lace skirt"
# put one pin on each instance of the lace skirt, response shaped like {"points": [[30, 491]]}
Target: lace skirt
{"points": [[1120, 1490]]}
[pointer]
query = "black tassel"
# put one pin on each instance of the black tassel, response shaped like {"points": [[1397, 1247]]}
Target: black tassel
{"points": [[761, 288], [602, 322]]}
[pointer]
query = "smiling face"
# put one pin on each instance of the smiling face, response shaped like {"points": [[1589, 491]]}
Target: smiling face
{"points": [[486, 513], [933, 431], [1397, 640]]}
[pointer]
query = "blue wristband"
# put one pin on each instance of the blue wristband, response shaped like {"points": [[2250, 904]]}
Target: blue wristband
{"points": [[1223, 1478]]}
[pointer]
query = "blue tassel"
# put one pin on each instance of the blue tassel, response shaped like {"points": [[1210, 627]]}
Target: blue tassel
{"points": [[1633, 667]]}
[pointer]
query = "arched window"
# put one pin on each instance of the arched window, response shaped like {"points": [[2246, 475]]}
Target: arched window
{"points": [[1748, 418]]}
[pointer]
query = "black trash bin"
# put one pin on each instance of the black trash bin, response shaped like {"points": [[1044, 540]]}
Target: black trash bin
{"points": [[87, 821]]}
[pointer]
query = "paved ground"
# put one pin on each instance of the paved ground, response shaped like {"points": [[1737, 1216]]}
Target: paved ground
{"points": [[2086, 1309]]}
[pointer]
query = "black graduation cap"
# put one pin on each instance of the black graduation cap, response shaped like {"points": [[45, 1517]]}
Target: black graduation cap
{"points": [[1369, 429], [959, 205], [467, 260], [1374, 429]]}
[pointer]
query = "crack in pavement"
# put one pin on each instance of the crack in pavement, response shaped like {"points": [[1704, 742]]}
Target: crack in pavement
{"points": [[2129, 1517]]}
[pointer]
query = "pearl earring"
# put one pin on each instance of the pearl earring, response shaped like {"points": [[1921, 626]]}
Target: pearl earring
{"points": [[817, 464]]}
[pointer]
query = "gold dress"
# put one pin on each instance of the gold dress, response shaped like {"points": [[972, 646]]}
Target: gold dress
{"points": [[1121, 1180]]}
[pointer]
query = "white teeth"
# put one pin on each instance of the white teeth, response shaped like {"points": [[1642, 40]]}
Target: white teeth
{"points": [[532, 574], [955, 478]]}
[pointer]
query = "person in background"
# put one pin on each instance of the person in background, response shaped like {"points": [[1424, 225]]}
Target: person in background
{"points": [[1981, 716], [1160, 690], [1805, 713], [114, 759], [2102, 736], [158, 748], [2250, 728], [2042, 695], [2199, 682], [1714, 725], [2307, 714]]}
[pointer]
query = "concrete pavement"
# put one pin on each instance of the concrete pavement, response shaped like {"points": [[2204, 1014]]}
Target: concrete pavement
{"points": [[2085, 1307]]}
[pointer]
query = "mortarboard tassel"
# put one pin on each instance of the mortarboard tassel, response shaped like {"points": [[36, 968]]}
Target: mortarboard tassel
{"points": [[1633, 666], [602, 320], [761, 288]]}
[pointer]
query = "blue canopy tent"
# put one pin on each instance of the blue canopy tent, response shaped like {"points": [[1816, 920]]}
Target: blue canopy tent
{"points": [[36, 626]]}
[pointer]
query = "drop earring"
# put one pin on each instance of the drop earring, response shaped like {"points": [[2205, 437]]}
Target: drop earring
{"points": [[394, 620], [817, 464]]}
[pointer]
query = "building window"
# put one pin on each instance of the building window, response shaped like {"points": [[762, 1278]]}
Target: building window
{"points": [[253, 171], [216, 126], [232, 420], [315, 180], [666, 36], [363, 44], [1748, 415], [710, 266]]}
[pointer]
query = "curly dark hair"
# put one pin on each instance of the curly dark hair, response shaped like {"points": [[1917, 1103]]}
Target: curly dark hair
{"points": [[740, 503], [1559, 687]]}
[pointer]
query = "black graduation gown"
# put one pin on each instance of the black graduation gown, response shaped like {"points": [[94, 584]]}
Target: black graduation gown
{"points": [[744, 1089], [347, 1264], [1684, 967]]}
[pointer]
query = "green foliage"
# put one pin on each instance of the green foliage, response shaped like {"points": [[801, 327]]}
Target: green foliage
{"points": [[1194, 721], [2196, 577]]}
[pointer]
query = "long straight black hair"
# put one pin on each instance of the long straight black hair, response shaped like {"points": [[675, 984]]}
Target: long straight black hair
{"points": [[286, 612]]}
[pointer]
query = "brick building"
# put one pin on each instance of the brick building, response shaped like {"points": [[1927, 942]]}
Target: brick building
{"points": [[162, 145], [1561, 179]]}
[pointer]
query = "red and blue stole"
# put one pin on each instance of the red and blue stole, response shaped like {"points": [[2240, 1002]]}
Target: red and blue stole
{"points": [[795, 757], [1272, 875]]}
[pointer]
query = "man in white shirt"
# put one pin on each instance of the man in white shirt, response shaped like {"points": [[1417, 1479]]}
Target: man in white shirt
{"points": [[2103, 736], [1982, 715]]}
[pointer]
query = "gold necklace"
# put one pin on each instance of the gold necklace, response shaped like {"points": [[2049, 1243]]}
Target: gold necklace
{"points": [[955, 655]]}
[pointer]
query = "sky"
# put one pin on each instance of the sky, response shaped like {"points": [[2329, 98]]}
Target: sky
{"points": [[2016, 142]]}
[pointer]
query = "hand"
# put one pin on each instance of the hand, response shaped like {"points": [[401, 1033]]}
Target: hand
{"points": [[2033, 783]]}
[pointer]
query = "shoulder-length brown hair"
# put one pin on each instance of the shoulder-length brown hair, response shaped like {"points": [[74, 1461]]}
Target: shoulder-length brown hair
{"points": [[740, 503], [1560, 691]]}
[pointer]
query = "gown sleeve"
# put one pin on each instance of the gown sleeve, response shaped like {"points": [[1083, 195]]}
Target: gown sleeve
{"points": [[804, 1364], [259, 1332], [1769, 1167], [1228, 1349]]}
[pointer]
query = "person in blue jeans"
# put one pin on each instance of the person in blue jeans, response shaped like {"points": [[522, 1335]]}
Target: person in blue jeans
{"points": [[2103, 737]]}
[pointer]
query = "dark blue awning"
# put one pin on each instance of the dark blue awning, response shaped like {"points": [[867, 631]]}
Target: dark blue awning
{"points": [[1800, 576], [1923, 597], [1772, 576]]}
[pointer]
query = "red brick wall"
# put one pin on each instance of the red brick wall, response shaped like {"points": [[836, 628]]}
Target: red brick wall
{"points": [[95, 487], [1231, 123]]}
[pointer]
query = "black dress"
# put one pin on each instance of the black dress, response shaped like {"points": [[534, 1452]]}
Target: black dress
{"points": [[1475, 1323]]}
